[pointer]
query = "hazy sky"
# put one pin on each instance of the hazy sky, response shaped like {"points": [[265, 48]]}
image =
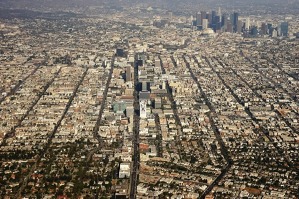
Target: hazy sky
{"points": [[243, 5]]}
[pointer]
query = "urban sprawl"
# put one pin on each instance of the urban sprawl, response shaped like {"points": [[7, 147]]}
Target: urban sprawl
{"points": [[144, 103]]}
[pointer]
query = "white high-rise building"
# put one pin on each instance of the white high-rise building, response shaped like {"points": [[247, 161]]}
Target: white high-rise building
{"points": [[144, 97], [247, 24], [205, 24], [164, 85], [142, 108], [274, 33]]}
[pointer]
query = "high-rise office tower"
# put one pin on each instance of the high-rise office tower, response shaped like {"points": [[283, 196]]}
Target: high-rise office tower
{"points": [[254, 31], [128, 74], [198, 19], [144, 86], [219, 13], [264, 28], [247, 24], [223, 20], [235, 20], [209, 17], [270, 28], [203, 15], [214, 14], [158, 102], [274, 33], [284, 28], [239, 26], [144, 97], [205, 24], [279, 31], [229, 27], [142, 108], [217, 22], [231, 17], [164, 85]]}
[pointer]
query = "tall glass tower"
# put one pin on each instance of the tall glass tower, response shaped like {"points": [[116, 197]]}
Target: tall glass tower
{"points": [[284, 27]]}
